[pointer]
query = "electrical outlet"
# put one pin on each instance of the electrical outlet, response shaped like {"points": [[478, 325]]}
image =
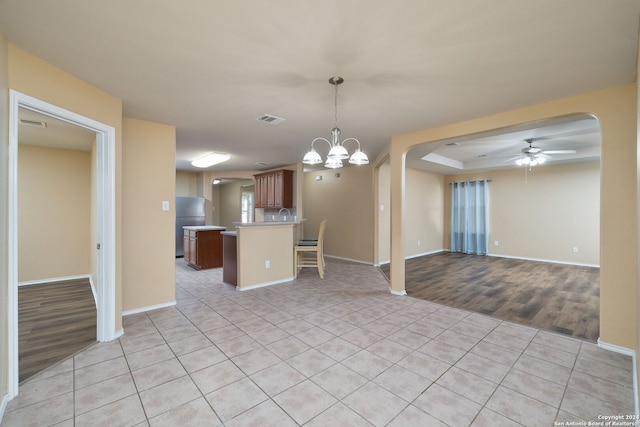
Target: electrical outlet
{"points": [[267, 264], [418, 242], [575, 249], [496, 243], [165, 205]]}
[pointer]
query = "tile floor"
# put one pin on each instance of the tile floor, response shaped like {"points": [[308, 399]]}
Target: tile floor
{"points": [[341, 351]]}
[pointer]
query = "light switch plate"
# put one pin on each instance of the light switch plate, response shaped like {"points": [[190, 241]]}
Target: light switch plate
{"points": [[165, 205]]}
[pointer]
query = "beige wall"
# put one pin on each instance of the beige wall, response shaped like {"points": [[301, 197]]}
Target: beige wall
{"points": [[33, 76], [383, 214], [186, 184], [347, 203], [4, 144], [637, 347], [423, 214], [229, 206], [259, 244], [557, 208], [54, 213], [615, 108], [148, 232]]}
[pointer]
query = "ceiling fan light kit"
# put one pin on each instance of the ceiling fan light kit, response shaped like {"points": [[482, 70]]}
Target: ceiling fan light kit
{"points": [[534, 156], [337, 149]]}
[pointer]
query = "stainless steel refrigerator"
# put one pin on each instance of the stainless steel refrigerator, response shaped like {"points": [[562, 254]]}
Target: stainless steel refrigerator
{"points": [[189, 211]]}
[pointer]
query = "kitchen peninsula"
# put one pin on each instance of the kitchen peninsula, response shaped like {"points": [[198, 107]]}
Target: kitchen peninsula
{"points": [[203, 246], [264, 252]]}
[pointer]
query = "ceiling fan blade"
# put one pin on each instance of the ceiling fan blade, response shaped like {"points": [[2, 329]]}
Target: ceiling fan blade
{"points": [[559, 152], [512, 159]]}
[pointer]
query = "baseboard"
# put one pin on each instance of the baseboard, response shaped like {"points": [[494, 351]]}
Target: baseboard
{"points": [[425, 254], [348, 259], [262, 285], [54, 279], [437, 251], [3, 406], [93, 290], [628, 352], [148, 308], [578, 264]]}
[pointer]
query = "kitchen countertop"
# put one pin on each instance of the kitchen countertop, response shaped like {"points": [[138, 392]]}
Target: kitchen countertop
{"points": [[203, 227], [229, 233], [267, 223]]}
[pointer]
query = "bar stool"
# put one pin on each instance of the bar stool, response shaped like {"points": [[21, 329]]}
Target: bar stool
{"points": [[310, 253]]}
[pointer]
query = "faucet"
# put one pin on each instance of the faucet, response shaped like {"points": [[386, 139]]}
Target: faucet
{"points": [[280, 213]]}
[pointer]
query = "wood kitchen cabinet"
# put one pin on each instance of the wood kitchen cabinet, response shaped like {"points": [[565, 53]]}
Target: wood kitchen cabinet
{"points": [[203, 246], [230, 254], [274, 189]]}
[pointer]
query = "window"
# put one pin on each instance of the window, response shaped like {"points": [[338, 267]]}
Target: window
{"points": [[247, 206]]}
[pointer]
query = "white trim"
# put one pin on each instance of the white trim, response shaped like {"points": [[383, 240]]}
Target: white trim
{"points": [[628, 352], [579, 264], [437, 251], [262, 285], [148, 308], [106, 233], [3, 406], [348, 259], [55, 279], [398, 293], [93, 290]]}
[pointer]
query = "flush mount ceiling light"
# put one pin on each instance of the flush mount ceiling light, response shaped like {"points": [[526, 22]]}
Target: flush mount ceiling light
{"points": [[210, 160], [337, 150]]}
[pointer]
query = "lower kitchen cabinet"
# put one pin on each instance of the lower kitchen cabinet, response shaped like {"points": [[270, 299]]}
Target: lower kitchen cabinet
{"points": [[203, 246]]}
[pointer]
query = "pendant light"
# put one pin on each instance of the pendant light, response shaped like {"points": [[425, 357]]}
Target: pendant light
{"points": [[337, 150]]}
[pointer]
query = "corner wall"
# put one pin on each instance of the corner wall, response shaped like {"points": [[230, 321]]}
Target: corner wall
{"points": [[345, 198], [148, 232]]}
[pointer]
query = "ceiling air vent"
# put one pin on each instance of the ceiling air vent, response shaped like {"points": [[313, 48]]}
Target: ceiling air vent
{"points": [[34, 123], [267, 118]]}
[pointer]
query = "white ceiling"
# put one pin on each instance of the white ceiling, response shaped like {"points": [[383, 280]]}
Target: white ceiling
{"points": [[211, 67]]}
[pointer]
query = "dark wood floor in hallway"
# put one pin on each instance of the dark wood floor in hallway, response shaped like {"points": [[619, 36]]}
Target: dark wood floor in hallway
{"points": [[555, 297], [55, 320]]}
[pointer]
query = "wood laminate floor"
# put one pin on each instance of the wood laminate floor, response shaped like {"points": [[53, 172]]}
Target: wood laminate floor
{"points": [[556, 297], [55, 320]]}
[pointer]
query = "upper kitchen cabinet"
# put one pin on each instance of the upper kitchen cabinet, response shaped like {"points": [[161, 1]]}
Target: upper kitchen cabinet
{"points": [[274, 189]]}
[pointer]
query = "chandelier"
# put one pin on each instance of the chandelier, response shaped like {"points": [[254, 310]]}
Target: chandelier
{"points": [[337, 150]]}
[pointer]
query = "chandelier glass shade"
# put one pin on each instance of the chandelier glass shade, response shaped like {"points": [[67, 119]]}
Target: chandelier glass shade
{"points": [[337, 149]]}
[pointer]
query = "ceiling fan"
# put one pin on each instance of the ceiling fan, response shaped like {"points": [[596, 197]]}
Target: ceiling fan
{"points": [[532, 156]]}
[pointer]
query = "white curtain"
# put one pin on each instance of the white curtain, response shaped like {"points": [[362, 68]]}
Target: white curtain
{"points": [[469, 217]]}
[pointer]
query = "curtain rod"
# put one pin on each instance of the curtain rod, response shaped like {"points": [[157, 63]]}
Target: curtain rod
{"points": [[475, 180]]}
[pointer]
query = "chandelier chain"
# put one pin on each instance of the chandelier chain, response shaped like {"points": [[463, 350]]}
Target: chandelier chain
{"points": [[335, 103]]}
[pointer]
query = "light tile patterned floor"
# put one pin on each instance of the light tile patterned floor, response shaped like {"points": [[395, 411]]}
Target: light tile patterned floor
{"points": [[341, 351]]}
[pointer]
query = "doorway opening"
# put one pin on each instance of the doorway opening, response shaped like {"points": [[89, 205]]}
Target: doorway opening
{"points": [[105, 222]]}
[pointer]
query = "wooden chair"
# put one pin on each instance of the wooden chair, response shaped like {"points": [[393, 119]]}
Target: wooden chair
{"points": [[310, 253]]}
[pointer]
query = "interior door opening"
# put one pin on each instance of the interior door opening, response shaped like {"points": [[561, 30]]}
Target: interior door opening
{"points": [[104, 226]]}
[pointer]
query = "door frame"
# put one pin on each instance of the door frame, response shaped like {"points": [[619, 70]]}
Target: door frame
{"points": [[106, 236]]}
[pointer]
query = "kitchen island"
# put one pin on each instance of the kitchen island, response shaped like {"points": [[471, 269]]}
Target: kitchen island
{"points": [[264, 252], [203, 246]]}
